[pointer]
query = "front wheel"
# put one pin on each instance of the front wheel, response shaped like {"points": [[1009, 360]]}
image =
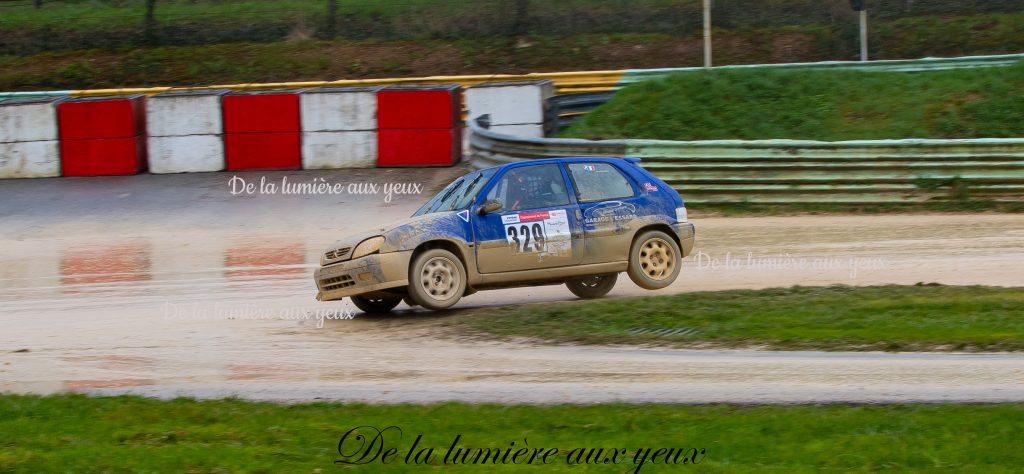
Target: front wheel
{"points": [[376, 304], [437, 279], [654, 260], [594, 286]]}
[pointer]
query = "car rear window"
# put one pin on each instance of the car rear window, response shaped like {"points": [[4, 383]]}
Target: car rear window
{"points": [[599, 182]]}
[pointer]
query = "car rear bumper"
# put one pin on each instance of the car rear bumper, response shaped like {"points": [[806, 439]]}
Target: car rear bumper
{"points": [[362, 275], [687, 234]]}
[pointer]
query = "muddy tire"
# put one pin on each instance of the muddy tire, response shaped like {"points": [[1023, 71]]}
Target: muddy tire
{"points": [[376, 304], [594, 286], [437, 279], [654, 260]]}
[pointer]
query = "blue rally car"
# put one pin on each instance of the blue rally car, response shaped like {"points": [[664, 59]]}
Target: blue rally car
{"points": [[578, 221]]}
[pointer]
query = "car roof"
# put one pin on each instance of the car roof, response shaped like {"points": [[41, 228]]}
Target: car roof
{"points": [[568, 159]]}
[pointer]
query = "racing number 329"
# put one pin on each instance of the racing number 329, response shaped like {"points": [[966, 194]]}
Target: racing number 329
{"points": [[526, 237]]}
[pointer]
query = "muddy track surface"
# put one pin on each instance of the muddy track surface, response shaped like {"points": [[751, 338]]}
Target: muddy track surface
{"points": [[172, 285]]}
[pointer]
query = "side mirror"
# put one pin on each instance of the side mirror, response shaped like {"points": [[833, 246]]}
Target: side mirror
{"points": [[489, 206], [484, 121]]}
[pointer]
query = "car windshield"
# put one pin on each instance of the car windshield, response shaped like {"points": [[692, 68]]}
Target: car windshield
{"points": [[457, 195]]}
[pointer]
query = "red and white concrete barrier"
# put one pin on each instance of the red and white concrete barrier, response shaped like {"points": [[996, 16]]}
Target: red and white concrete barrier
{"points": [[262, 130], [186, 131], [515, 108], [214, 130], [419, 125], [28, 138], [102, 136], [339, 127]]}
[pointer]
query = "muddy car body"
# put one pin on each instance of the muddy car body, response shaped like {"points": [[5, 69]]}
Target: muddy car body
{"points": [[578, 221]]}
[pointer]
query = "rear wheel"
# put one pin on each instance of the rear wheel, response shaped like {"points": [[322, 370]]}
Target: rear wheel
{"points": [[437, 279], [654, 260], [594, 286], [376, 304]]}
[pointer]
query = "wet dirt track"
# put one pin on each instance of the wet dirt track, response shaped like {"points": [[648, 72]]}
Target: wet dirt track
{"points": [[171, 285]]}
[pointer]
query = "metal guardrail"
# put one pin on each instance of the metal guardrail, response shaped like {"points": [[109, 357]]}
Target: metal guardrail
{"points": [[783, 171], [888, 65], [566, 109], [580, 81]]}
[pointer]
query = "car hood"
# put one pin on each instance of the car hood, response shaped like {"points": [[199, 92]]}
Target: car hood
{"points": [[402, 235]]}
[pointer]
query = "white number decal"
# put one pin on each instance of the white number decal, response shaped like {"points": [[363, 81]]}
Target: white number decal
{"points": [[543, 232], [529, 237]]}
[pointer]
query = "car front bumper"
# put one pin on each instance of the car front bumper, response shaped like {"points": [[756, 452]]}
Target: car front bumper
{"points": [[362, 275], [687, 234]]}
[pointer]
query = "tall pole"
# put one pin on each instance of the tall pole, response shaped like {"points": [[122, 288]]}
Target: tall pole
{"points": [[864, 35], [707, 33]]}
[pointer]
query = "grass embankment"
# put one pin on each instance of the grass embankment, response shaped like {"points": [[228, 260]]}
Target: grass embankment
{"points": [[312, 59], [82, 434], [817, 105], [892, 318]]}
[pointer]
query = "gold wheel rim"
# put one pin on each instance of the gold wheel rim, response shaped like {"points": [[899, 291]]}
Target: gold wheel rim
{"points": [[657, 259]]}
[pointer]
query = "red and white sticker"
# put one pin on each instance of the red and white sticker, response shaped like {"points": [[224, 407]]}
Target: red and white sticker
{"points": [[528, 216]]}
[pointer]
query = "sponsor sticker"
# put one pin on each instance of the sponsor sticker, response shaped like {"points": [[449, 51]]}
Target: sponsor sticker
{"points": [[609, 213], [650, 187], [535, 216]]}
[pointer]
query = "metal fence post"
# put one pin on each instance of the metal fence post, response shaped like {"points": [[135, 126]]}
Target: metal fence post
{"points": [[520, 26], [332, 18], [150, 24]]}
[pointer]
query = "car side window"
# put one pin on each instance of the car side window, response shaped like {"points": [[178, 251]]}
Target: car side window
{"points": [[599, 182], [531, 187]]}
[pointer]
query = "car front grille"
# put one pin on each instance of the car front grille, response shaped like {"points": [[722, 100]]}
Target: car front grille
{"points": [[338, 253], [337, 283]]}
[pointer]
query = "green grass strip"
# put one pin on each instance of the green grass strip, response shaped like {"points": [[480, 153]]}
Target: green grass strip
{"points": [[891, 318], [71, 433]]}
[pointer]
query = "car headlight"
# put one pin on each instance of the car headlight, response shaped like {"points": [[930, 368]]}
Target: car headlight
{"points": [[368, 247], [681, 214]]}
